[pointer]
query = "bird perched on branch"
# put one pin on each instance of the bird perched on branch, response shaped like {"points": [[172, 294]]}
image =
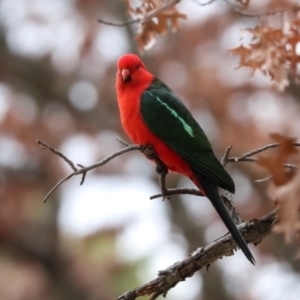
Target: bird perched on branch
{"points": [[152, 114]]}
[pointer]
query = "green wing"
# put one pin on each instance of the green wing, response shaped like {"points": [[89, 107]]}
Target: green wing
{"points": [[168, 118]]}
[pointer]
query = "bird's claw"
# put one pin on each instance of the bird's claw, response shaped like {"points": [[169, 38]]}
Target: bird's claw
{"points": [[149, 152], [161, 170]]}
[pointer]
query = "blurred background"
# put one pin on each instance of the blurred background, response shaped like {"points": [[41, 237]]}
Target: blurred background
{"points": [[96, 241]]}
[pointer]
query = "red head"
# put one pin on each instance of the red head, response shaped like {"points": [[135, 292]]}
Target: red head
{"points": [[132, 73]]}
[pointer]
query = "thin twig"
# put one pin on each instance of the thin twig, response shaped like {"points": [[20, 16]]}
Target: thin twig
{"points": [[162, 184], [224, 159], [253, 159], [177, 191], [263, 179], [259, 150], [137, 20], [256, 151], [144, 19], [248, 155], [256, 15], [57, 185], [83, 174], [289, 167], [46, 146], [109, 158], [122, 142]]}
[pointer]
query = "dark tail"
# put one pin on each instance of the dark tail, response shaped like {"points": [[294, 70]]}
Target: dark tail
{"points": [[212, 194]]}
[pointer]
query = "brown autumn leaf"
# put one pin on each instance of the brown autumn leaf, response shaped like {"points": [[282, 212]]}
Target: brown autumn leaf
{"points": [[287, 146], [273, 51], [147, 34], [285, 188], [149, 28], [287, 198], [275, 163]]}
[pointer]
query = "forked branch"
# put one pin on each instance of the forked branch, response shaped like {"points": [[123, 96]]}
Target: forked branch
{"points": [[83, 170]]}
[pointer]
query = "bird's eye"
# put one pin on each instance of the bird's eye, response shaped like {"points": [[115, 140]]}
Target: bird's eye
{"points": [[137, 67]]}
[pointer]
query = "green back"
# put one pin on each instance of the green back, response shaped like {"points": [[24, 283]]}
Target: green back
{"points": [[168, 118]]}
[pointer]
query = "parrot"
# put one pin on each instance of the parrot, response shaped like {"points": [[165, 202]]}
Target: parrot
{"points": [[152, 114]]}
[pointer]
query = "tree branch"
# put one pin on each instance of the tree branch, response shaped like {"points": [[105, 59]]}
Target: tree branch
{"points": [[53, 150], [83, 170], [224, 159], [254, 231], [242, 8], [144, 19], [177, 191], [247, 156]]}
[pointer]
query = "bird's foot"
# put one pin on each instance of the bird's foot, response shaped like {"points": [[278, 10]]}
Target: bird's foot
{"points": [[149, 152], [161, 170]]}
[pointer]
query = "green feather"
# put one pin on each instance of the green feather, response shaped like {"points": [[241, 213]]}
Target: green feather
{"points": [[168, 118], [186, 126]]}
